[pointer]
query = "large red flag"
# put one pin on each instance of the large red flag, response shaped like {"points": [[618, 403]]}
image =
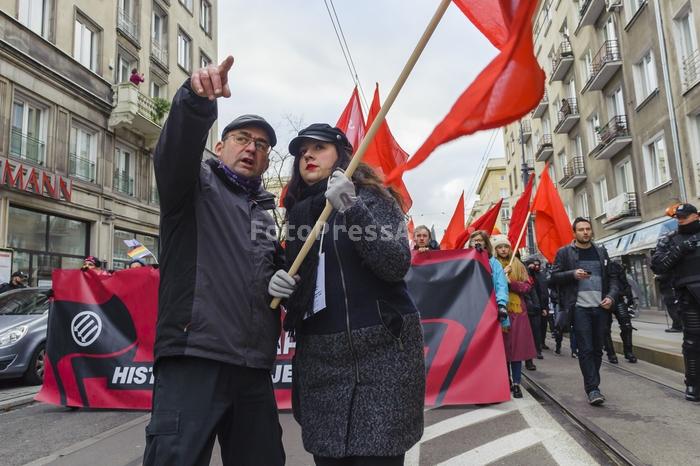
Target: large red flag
{"points": [[552, 224], [487, 222], [384, 153], [352, 121], [519, 215], [509, 87], [456, 226]]}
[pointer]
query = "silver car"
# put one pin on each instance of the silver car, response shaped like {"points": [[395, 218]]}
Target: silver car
{"points": [[23, 320]]}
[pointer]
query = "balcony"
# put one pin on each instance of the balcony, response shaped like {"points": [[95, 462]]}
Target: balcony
{"points": [[26, 147], [541, 107], [613, 137], [123, 182], [621, 212], [590, 12], [128, 26], [526, 130], [691, 70], [574, 173], [568, 116], [604, 65], [81, 168], [544, 148], [135, 112], [562, 62], [159, 53]]}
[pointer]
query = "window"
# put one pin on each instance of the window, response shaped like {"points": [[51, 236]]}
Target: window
{"points": [[552, 173], [576, 146], [125, 63], [153, 187], [184, 51], [593, 127], [124, 168], [120, 249], [631, 8], [624, 182], [546, 125], [159, 35], [503, 192], [36, 15], [187, 4], [561, 159], [85, 43], [586, 65], [83, 153], [582, 204], [205, 16], [616, 103], [204, 60], [600, 195], [127, 18], [28, 133], [158, 88], [645, 77], [687, 48], [657, 171]]}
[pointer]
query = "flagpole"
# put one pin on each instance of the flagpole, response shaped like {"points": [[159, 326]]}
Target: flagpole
{"points": [[520, 237], [378, 121]]}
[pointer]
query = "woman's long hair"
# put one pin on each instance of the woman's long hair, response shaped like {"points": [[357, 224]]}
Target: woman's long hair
{"points": [[518, 271], [364, 176]]}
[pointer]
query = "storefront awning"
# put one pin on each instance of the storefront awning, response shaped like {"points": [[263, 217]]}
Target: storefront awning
{"points": [[635, 240]]}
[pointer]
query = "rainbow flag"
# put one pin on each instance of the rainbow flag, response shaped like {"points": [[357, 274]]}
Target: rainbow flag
{"points": [[139, 252]]}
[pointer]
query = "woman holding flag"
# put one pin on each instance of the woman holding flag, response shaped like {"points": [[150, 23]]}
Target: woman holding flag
{"points": [[358, 374]]}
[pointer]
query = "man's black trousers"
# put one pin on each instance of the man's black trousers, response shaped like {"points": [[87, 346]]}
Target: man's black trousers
{"points": [[197, 400]]}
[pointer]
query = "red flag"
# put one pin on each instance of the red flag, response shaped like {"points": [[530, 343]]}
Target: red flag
{"points": [[519, 215], [455, 228], [352, 121], [509, 87], [487, 222], [552, 225], [384, 153]]}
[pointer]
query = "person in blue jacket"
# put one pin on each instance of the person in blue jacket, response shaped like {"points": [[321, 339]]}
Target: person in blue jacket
{"points": [[480, 241]]}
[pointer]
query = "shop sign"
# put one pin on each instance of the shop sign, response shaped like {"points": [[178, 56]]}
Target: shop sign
{"points": [[34, 180]]}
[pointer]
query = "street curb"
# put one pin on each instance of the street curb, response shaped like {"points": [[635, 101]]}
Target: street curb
{"points": [[654, 356], [17, 402]]}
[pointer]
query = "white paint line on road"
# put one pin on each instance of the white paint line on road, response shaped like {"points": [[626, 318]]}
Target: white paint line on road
{"points": [[500, 448], [91, 441]]}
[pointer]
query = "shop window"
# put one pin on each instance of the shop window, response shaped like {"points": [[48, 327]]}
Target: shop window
{"points": [[120, 258]]}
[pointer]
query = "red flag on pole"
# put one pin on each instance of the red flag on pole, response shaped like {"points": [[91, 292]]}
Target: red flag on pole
{"points": [[456, 226], [509, 87], [552, 224], [352, 121], [384, 153], [519, 215], [487, 222]]}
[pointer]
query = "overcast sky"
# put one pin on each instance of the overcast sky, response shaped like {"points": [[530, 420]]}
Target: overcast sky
{"points": [[289, 64]]}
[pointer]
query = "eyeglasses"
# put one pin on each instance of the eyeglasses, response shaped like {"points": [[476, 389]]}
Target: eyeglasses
{"points": [[243, 139]]}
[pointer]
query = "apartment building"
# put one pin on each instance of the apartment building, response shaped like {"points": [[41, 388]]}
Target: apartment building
{"points": [[76, 137], [619, 124], [491, 188]]}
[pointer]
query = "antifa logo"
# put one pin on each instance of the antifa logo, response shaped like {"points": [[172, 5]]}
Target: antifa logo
{"points": [[86, 328]]}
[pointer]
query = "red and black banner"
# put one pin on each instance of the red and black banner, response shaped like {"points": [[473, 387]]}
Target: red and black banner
{"points": [[102, 329]]}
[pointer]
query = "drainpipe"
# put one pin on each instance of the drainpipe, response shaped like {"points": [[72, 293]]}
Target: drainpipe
{"points": [[669, 103]]}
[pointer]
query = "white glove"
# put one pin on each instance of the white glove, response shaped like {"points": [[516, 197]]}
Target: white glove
{"points": [[340, 191], [282, 285]]}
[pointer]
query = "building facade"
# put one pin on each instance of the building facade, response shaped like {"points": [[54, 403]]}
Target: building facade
{"points": [[619, 124], [492, 187], [76, 136]]}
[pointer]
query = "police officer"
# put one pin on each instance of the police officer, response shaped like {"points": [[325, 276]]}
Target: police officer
{"points": [[678, 254], [624, 318]]}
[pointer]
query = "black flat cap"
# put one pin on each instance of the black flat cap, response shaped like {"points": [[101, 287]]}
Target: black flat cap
{"points": [[319, 132], [244, 121]]}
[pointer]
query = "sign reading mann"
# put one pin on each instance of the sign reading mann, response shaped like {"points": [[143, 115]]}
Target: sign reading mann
{"points": [[34, 180]]}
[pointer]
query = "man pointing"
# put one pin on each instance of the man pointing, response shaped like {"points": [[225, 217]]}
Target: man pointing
{"points": [[216, 335]]}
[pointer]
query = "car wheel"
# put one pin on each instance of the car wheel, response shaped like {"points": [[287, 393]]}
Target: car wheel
{"points": [[35, 373]]}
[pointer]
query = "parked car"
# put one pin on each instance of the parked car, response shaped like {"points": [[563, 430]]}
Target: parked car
{"points": [[23, 321]]}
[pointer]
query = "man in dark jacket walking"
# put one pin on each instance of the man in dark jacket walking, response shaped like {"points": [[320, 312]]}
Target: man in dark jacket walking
{"points": [[539, 277], [588, 289], [216, 335]]}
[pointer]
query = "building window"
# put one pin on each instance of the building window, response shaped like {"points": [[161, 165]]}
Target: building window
{"points": [[159, 35], [184, 50], [623, 177], [582, 204], [503, 192], [687, 48], [158, 88], [128, 18], [36, 15], [631, 8], [153, 188], [586, 65], [125, 63], [552, 173], [188, 4], [600, 195], [83, 153], [120, 258], [205, 16], [85, 43], [44, 242], [657, 171], [204, 60], [28, 133], [561, 159], [593, 128], [645, 77], [124, 169]]}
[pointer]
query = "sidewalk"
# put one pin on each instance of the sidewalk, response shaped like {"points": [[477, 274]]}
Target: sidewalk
{"points": [[14, 394]]}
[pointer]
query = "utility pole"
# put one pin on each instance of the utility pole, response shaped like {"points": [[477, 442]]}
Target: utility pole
{"points": [[525, 170]]}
